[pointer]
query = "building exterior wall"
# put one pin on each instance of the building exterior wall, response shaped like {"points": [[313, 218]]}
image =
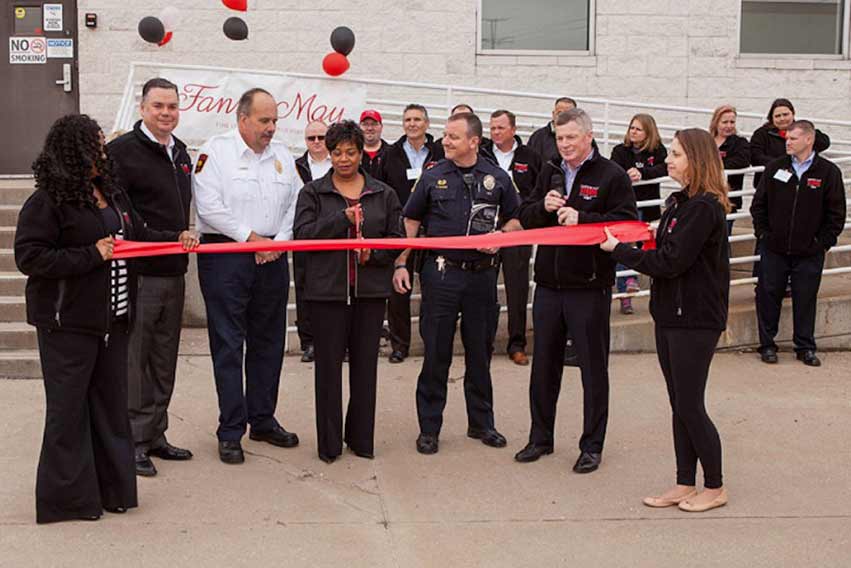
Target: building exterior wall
{"points": [[663, 51]]}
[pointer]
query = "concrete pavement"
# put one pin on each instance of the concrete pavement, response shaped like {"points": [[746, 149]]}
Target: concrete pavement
{"points": [[785, 430]]}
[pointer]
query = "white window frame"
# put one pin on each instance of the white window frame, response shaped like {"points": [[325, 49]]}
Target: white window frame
{"points": [[846, 39], [592, 33]]}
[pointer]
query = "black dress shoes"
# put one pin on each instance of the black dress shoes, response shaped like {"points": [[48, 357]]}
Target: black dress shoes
{"points": [[116, 510], [532, 452], [277, 436], [427, 443], [587, 462], [809, 358], [230, 451], [397, 357], [169, 452], [327, 459], [144, 465], [490, 438], [360, 454], [309, 355], [768, 355]]}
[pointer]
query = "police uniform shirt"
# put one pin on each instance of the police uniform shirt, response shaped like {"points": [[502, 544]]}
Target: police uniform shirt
{"points": [[443, 202], [236, 191]]}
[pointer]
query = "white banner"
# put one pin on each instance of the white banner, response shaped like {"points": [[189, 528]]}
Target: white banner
{"points": [[208, 101]]}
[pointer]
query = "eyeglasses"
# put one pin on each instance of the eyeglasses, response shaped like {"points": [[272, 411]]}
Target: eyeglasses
{"points": [[314, 138]]}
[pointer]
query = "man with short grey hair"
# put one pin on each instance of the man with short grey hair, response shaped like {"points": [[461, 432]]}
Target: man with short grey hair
{"points": [[574, 285], [155, 170]]}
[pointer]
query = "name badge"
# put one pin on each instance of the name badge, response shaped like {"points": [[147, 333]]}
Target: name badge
{"points": [[783, 175], [413, 173]]}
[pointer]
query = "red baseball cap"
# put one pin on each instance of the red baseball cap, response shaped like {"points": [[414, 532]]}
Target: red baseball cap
{"points": [[373, 114]]}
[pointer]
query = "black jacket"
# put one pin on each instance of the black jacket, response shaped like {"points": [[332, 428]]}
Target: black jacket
{"points": [[373, 165], [319, 215], [735, 154], [394, 168], [543, 142], [799, 216], [68, 284], [161, 191], [525, 168], [690, 266], [601, 192], [651, 165], [767, 145]]}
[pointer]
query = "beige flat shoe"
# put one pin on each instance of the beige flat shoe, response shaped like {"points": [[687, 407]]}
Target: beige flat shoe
{"points": [[719, 501], [659, 502]]}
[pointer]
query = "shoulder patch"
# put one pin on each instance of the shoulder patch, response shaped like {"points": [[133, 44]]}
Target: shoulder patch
{"points": [[199, 165]]}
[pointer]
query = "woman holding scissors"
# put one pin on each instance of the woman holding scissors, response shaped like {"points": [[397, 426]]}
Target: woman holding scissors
{"points": [[347, 290]]}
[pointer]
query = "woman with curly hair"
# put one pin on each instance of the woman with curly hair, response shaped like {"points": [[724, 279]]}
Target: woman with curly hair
{"points": [[80, 302]]}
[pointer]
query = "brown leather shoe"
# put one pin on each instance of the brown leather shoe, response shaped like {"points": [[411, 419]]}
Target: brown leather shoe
{"points": [[519, 358]]}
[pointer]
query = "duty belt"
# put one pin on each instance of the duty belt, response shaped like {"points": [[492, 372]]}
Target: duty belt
{"points": [[468, 265]]}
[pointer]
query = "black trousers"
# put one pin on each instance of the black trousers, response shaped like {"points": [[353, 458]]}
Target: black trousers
{"points": [[586, 313], [515, 274], [685, 356], [302, 314], [246, 321], [446, 295], [804, 273], [356, 328], [86, 461], [152, 356], [399, 315]]}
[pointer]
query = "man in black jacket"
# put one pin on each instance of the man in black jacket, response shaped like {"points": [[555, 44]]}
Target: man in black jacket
{"points": [[402, 166], [523, 165], [543, 140], [154, 168], [374, 146], [574, 285], [798, 213]]}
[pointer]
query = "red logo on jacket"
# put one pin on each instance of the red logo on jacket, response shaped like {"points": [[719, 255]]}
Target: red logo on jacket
{"points": [[814, 183], [521, 168], [672, 224], [185, 168], [651, 160], [588, 191], [723, 154]]}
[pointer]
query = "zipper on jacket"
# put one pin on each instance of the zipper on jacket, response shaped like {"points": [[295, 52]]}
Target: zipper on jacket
{"points": [[176, 180], [792, 217], [679, 297], [59, 301]]}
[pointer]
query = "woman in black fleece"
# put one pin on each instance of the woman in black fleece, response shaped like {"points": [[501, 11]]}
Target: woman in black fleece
{"points": [[688, 300], [81, 303]]}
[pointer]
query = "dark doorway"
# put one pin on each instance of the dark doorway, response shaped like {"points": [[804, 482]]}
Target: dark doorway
{"points": [[38, 75]]}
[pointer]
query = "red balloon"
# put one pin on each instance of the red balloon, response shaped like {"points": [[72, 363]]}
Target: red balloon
{"points": [[335, 64], [241, 5], [166, 39]]}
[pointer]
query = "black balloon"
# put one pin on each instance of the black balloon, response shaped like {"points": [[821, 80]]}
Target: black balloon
{"points": [[236, 28], [151, 29], [343, 40]]}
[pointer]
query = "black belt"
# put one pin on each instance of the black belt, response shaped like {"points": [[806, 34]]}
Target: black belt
{"points": [[472, 265], [217, 238]]}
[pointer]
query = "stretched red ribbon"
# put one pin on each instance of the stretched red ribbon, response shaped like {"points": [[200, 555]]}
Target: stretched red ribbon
{"points": [[590, 234]]}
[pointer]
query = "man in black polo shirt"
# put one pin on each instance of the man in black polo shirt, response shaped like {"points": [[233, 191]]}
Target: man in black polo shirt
{"points": [[798, 213], [574, 285], [155, 169]]}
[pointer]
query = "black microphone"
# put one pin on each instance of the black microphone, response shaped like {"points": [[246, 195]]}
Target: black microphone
{"points": [[557, 183]]}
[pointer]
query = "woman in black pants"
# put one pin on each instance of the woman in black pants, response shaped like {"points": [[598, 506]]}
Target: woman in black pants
{"points": [[346, 291], [80, 303], [688, 300]]}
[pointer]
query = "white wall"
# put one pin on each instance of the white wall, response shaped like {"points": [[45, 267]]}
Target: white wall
{"points": [[666, 51]]}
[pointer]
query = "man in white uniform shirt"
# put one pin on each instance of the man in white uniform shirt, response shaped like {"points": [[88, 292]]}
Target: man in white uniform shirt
{"points": [[245, 188]]}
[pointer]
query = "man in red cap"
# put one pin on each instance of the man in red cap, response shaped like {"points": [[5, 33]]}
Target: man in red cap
{"points": [[373, 146]]}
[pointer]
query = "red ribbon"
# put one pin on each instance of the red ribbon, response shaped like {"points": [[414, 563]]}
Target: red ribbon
{"points": [[587, 235]]}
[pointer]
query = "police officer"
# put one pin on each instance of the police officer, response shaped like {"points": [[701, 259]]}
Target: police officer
{"points": [[463, 195], [798, 213], [245, 187], [574, 285]]}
